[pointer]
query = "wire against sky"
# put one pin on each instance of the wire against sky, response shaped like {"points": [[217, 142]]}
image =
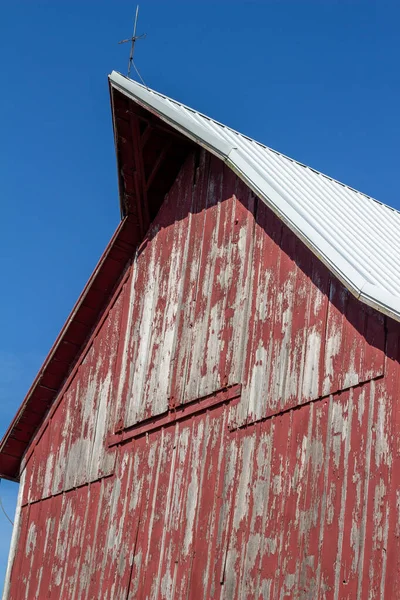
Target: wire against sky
{"points": [[3, 509]]}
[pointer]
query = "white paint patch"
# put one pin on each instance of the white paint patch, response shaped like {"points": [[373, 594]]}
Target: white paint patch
{"points": [[48, 475], [257, 401], [382, 449], [193, 490], [311, 365], [332, 349], [31, 538]]}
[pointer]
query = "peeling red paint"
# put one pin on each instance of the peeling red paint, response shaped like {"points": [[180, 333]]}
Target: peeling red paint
{"points": [[156, 476]]}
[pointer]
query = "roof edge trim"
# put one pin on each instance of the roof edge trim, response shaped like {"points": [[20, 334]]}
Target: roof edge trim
{"points": [[294, 220], [381, 300], [181, 123]]}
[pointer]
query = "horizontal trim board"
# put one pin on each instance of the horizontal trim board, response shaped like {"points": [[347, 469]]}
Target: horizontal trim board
{"points": [[181, 412], [279, 413]]}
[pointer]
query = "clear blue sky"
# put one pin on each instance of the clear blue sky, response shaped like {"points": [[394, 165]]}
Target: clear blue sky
{"points": [[319, 81]]}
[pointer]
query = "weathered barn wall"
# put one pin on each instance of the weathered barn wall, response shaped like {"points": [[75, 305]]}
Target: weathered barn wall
{"points": [[231, 431], [72, 446]]}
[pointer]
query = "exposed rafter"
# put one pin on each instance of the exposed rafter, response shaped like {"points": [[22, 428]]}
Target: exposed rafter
{"points": [[139, 176], [158, 164]]}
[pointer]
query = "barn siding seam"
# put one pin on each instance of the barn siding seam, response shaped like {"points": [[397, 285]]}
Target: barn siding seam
{"points": [[232, 427], [72, 489]]}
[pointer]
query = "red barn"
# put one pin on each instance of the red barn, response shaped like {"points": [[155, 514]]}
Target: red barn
{"points": [[218, 417]]}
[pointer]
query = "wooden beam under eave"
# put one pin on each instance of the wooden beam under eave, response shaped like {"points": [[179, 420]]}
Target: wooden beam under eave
{"points": [[139, 175], [146, 136], [157, 165]]}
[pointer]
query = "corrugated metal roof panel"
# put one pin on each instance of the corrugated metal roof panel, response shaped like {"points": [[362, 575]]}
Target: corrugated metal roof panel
{"points": [[356, 236]]}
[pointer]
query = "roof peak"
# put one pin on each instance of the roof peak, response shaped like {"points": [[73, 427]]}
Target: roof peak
{"points": [[356, 236]]}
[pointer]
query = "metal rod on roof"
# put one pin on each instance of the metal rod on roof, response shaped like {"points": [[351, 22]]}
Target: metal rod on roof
{"points": [[133, 40]]}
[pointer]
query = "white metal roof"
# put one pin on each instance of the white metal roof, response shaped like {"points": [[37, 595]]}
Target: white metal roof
{"points": [[357, 237]]}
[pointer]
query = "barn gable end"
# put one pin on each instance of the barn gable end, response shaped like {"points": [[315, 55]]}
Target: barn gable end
{"points": [[228, 429]]}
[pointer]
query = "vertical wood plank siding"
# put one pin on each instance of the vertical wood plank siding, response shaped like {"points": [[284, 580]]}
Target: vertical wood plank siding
{"points": [[288, 491]]}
